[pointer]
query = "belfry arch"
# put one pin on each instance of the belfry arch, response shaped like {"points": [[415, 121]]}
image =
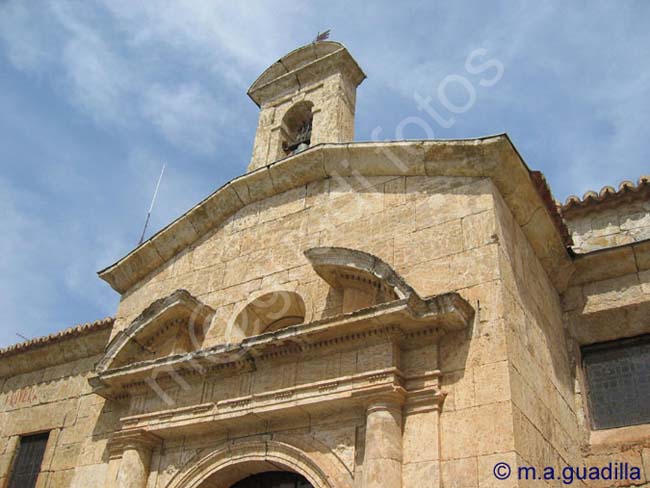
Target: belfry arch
{"points": [[296, 127]]}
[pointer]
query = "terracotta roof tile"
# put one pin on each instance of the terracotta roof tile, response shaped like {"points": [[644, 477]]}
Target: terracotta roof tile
{"points": [[77, 330], [606, 193]]}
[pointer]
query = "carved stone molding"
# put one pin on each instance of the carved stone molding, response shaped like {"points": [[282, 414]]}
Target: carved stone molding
{"points": [[395, 321], [137, 439], [233, 461]]}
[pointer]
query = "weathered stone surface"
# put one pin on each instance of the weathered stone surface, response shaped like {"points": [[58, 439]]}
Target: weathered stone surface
{"points": [[444, 339], [476, 431], [614, 224], [460, 473]]}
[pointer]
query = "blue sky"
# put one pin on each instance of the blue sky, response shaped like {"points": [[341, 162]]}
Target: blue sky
{"points": [[95, 95]]}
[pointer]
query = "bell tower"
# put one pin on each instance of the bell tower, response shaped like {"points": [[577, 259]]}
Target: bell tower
{"points": [[306, 98]]}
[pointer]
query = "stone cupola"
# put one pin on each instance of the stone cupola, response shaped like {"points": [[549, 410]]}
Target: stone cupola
{"points": [[306, 98]]}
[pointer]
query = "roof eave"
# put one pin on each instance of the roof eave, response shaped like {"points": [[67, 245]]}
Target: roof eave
{"points": [[493, 156]]}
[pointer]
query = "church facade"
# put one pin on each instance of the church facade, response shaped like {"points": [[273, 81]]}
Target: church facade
{"points": [[353, 314]]}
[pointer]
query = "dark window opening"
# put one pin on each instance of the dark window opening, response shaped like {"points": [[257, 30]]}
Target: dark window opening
{"points": [[27, 463], [617, 375], [273, 479], [296, 128]]}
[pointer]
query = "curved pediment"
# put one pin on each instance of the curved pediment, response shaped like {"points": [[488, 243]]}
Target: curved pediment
{"points": [[298, 69], [168, 326], [364, 279]]}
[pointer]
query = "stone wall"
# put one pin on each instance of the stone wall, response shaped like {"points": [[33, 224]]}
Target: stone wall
{"points": [[419, 225], [600, 311], [609, 224], [539, 360], [512, 381], [438, 232], [58, 399]]}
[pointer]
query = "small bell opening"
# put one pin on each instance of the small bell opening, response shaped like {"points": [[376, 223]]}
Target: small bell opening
{"points": [[297, 128]]}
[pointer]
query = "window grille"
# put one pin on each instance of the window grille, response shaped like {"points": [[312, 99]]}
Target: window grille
{"points": [[617, 375]]}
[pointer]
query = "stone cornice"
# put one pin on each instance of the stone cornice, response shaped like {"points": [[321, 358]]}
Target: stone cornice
{"points": [[492, 157], [611, 262], [397, 320], [303, 66], [332, 262], [72, 344]]}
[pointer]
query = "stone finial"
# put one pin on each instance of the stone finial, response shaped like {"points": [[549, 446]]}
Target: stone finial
{"points": [[306, 98]]}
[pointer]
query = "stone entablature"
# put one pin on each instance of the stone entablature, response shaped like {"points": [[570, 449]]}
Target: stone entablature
{"points": [[398, 319]]}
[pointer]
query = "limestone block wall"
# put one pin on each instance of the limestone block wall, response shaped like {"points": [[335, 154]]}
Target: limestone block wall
{"points": [[539, 362], [423, 227], [297, 370], [58, 399], [603, 225], [438, 232], [476, 418], [600, 311]]}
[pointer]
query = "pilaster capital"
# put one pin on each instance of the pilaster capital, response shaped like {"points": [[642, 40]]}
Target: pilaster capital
{"points": [[138, 439], [425, 400], [387, 400]]}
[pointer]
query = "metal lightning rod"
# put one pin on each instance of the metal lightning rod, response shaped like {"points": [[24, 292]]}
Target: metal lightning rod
{"points": [[153, 200]]}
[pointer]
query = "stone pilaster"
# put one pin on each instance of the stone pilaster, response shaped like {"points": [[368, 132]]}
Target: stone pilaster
{"points": [[135, 449], [421, 438], [382, 465]]}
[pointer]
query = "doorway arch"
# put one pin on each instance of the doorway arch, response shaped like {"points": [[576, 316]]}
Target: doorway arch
{"points": [[238, 460], [273, 479]]}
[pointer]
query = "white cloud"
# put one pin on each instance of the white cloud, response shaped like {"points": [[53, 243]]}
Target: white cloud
{"points": [[129, 63], [100, 83], [218, 34], [187, 115]]}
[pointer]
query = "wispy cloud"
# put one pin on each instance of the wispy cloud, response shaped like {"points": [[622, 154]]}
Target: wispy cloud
{"points": [[187, 115], [114, 68]]}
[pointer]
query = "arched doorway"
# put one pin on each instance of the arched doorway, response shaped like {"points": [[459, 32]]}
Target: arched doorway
{"points": [[237, 461], [274, 479]]}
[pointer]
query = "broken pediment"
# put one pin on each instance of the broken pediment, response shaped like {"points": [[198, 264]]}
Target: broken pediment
{"points": [[362, 280], [411, 322], [169, 326]]}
